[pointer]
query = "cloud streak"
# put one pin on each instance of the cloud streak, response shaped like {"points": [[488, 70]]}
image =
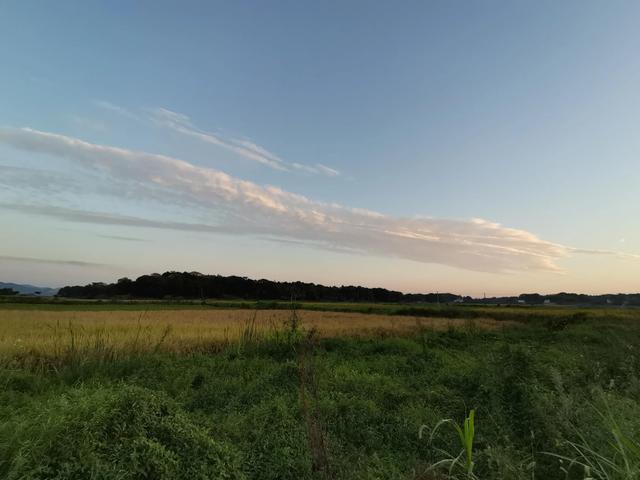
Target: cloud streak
{"points": [[16, 178], [181, 123], [69, 263], [115, 109], [122, 238], [102, 218], [249, 208]]}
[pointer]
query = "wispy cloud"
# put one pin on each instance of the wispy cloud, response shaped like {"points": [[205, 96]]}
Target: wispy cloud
{"points": [[103, 218], [17, 178], [121, 238], [43, 185], [111, 107], [181, 123], [70, 263], [266, 210], [88, 123], [587, 251]]}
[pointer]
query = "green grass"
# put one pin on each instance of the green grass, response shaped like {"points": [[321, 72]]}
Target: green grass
{"points": [[622, 461], [289, 406]]}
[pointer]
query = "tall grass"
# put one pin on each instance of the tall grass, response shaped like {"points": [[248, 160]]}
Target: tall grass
{"points": [[620, 461], [60, 337]]}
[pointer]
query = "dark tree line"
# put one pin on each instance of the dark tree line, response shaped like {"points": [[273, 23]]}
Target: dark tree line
{"points": [[564, 298], [194, 285], [8, 291]]}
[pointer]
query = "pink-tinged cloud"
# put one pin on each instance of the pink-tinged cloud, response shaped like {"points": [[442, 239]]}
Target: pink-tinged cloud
{"points": [[249, 208]]}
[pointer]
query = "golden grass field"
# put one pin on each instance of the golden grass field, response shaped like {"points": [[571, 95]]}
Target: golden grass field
{"points": [[43, 333]]}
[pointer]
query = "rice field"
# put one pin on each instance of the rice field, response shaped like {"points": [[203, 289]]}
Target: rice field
{"points": [[54, 333]]}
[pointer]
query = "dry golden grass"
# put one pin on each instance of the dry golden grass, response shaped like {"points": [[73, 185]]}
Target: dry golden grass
{"points": [[41, 333]]}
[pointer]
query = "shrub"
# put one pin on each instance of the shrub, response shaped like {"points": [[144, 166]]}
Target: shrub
{"points": [[122, 433]]}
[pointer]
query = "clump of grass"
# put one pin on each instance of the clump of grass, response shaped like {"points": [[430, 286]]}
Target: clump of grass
{"points": [[120, 433], [463, 461]]}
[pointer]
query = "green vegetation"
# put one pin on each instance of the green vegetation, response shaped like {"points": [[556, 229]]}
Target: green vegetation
{"points": [[623, 463], [557, 396], [464, 459]]}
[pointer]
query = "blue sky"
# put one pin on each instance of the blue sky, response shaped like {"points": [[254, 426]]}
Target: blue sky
{"points": [[430, 114]]}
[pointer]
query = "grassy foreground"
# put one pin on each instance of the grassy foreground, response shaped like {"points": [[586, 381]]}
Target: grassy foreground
{"points": [[555, 397]]}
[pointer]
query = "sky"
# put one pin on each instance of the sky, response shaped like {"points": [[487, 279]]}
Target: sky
{"points": [[470, 147]]}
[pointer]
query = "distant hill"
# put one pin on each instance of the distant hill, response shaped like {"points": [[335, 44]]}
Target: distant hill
{"points": [[29, 289]]}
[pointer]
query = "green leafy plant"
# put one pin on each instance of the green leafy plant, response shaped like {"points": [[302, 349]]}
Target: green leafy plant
{"points": [[463, 460]]}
